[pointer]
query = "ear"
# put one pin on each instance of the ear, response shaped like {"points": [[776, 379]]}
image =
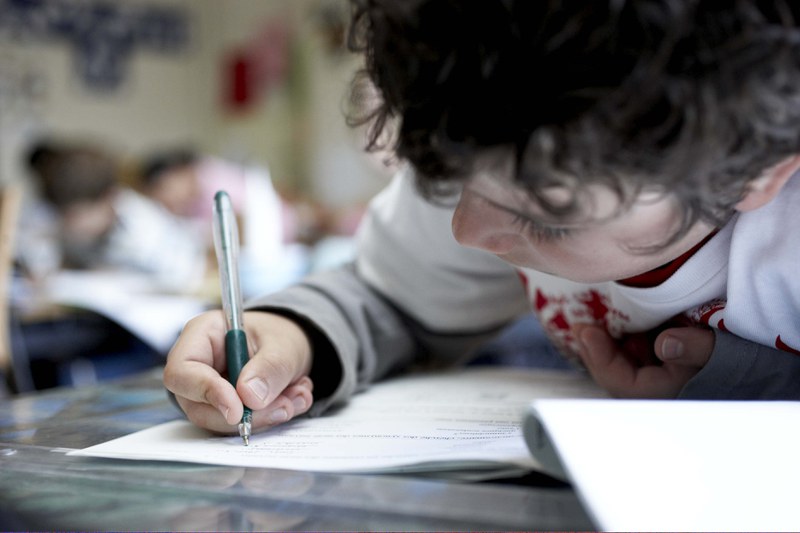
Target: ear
{"points": [[763, 189]]}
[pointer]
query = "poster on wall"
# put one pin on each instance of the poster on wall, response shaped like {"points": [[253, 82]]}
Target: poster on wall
{"points": [[103, 34]]}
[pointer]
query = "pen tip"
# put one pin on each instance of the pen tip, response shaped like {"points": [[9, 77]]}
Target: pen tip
{"points": [[244, 429]]}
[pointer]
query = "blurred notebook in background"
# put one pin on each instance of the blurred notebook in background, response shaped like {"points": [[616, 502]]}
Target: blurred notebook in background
{"points": [[131, 300]]}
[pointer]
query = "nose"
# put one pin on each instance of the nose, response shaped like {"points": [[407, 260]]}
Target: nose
{"points": [[477, 224]]}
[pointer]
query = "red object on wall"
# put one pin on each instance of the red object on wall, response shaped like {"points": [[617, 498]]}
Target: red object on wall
{"points": [[253, 69], [237, 82]]}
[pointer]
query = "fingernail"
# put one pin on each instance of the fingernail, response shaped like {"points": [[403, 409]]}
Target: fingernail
{"points": [[299, 404], [671, 348], [259, 387], [224, 410], [279, 415]]}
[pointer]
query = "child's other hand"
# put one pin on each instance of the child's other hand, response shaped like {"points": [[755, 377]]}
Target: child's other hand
{"points": [[683, 351], [274, 383]]}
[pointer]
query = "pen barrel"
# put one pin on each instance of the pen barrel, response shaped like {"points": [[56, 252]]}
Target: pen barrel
{"points": [[235, 353]]}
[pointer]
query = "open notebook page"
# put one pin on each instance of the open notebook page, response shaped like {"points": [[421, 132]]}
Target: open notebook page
{"points": [[467, 422]]}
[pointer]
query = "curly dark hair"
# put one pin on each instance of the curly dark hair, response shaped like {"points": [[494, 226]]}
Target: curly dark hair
{"points": [[690, 97]]}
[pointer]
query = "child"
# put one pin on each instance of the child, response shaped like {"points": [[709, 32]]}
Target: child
{"points": [[99, 224], [185, 182], [627, 165]]}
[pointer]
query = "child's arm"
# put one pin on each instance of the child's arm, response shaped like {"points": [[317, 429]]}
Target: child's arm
{"points": [[413, 296], [739, 369], [331, 335]]}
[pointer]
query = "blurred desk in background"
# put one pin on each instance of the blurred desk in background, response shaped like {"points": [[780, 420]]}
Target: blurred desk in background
{"points": [[44, 489], [74, 347], [81, 327]]}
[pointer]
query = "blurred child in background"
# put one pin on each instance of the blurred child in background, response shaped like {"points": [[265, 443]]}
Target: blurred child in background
{"points": [[184, 182], [87, 219]]}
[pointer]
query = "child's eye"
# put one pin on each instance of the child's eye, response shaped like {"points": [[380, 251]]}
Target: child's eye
{"points": [[539, 232]]}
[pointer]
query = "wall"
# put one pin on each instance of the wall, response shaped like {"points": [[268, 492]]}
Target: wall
{"points": [[296, 127]]}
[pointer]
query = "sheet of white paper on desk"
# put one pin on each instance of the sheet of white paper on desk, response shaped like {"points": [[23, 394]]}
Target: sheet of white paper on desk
{"points": [[680, 465], [467, 422], [131, 300]]}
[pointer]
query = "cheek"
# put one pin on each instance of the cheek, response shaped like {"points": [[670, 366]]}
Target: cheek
{"points": [[647, 226], [587, 257]]}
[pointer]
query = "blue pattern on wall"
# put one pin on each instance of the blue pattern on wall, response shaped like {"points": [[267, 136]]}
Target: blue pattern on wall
{"points": [[103, 34]]}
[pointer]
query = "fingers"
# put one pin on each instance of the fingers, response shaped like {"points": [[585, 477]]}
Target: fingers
{"points": [[614, 371], [274, 383], [198, 384], [606, 364], [193, 369], [293, 401], [689, 346]]}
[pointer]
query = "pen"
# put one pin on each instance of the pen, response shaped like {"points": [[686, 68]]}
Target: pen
{"points": [[226, 245]]}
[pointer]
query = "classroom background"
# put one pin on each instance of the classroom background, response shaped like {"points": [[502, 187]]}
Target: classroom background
{"points": [[102, 96]]}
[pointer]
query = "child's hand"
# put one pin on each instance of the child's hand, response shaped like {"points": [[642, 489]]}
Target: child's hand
{"points": [[274, 383], [683, 351]]}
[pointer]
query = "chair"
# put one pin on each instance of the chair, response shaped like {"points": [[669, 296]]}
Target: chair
{"points": [[10, 202]]}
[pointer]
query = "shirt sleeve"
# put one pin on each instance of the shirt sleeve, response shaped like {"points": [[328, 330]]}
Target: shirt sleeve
{"points": [[412, 297], [740, 369]]}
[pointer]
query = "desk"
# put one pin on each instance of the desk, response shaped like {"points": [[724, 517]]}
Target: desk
{"points": [[75, 347], [50, 490], [80, 327]]}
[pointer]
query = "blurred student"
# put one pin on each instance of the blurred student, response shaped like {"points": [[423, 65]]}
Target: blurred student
{"points": [[93, 222], [185, 182]]}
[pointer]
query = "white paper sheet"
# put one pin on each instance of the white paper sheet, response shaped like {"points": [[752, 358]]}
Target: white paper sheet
{"points": [[464, 421], [679, 465]]}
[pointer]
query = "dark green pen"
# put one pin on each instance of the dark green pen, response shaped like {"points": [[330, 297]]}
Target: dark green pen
{"points": [[226, 244]]}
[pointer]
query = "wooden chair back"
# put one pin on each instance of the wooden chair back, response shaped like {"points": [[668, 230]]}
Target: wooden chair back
{"points": [[10, 201]]}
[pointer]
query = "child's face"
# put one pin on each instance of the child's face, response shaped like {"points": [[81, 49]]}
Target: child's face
{"points": [[178, 190], [90, 220], [604, 245]]}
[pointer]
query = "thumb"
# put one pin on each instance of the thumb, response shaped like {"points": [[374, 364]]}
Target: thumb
{"points": [[689, 346]]}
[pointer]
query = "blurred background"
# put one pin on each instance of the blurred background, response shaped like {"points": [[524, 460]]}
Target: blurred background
{"points": [[118, 121], [262, 81]]}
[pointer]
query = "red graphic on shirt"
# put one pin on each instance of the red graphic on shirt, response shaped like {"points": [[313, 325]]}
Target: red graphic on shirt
{"points": [[524, 279], [704, 314], [707, 314], [557, 314], [779, 344], [540, 301], [559, 321], [596, 305]]}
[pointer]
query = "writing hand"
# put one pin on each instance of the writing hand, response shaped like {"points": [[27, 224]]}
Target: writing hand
{"points": [[683, 352], [274, 383]]}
